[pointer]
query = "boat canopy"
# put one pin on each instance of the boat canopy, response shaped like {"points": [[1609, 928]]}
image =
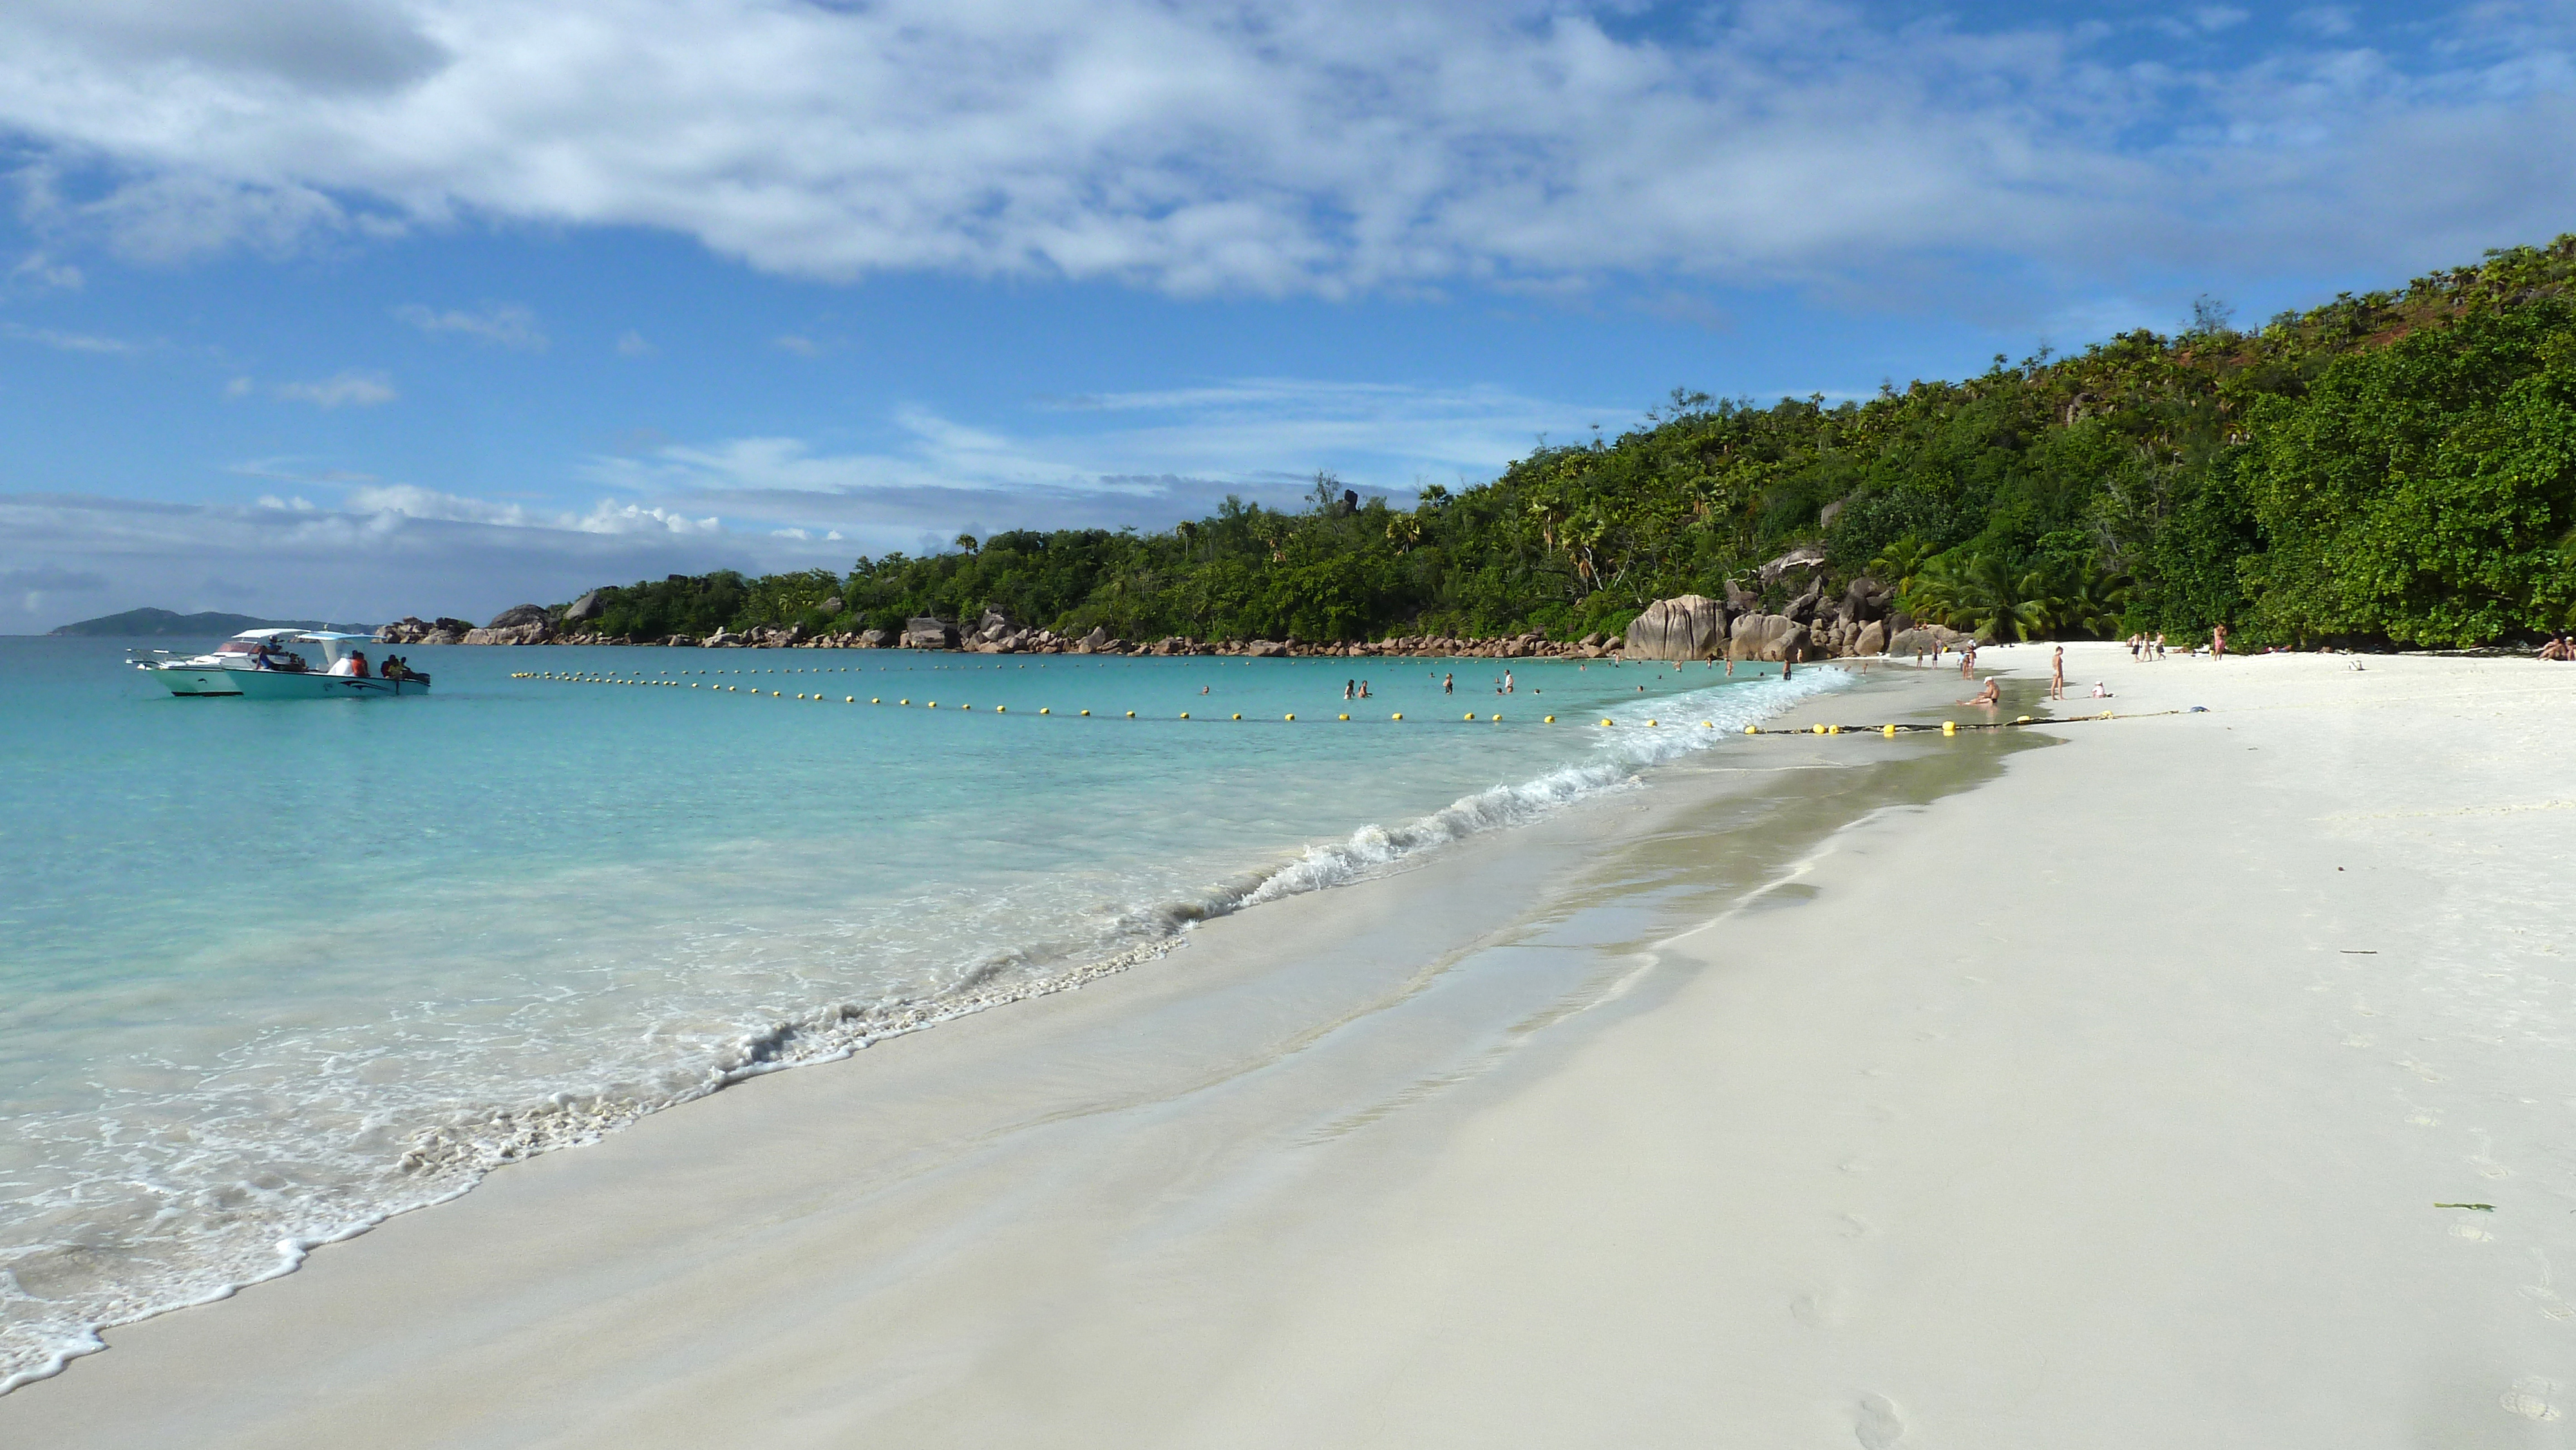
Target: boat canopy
{"points": [[266, 633], [324, 636]]}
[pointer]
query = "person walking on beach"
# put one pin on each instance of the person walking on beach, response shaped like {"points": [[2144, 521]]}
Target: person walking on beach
{"points": [[2218, 643], [2057, 673], [1967, 661]]}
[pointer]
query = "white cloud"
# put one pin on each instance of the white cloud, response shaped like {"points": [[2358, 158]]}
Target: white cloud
{"points": [[505, 325], [347, 389], [631, 343], [607, 517], [38, 270], [801, 346], [614, 518], [67, 341], [1319, 146]]}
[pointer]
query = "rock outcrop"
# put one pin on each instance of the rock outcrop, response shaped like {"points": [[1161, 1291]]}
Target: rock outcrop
{"points": [[412, 629], [926, 632], [588, 607], [1691, 627], [1771, 638], [521, 615]]}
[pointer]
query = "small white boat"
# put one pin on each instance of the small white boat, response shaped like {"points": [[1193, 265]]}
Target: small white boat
{"points": [[262, 664]]}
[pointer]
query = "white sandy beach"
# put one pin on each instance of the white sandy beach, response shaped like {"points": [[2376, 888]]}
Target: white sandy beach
{"points": [[2094, 1085]]}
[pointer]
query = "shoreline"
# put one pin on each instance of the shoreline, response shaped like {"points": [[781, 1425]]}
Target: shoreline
{"points": [[1791, 1098], [829, 1034]]}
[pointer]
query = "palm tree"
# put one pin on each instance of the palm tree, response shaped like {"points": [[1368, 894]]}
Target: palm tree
{"points": [[1900, 561], [1982, 595], [967, 543], [2091, 603]]}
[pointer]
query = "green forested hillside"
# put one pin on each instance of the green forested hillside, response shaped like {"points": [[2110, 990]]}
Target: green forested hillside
{"points": [[2397, 467]]}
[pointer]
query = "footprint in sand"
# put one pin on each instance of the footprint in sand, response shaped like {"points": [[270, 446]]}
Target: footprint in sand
{"points": [[1857, 1227], [2472, 1233], [2529, 1398], [1822, 1309], [1877, 1427]]}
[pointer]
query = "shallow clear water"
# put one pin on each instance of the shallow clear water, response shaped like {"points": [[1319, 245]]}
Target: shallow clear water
{"points": [[275, 970]]}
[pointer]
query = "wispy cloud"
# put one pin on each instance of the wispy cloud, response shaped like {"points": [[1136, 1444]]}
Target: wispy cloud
{"points": [[801, 346], [631, 343], [68, 341], [38, 270], [291, 470], [1164, 455], [606, 517], [504, 325], [339, 563], [341, 390]]}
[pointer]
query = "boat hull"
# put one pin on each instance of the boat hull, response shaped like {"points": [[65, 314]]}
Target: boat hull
{"points": [[193, 684], [286, 685]]}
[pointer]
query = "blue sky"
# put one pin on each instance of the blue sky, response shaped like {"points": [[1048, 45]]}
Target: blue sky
{"points": [[315, 307]]}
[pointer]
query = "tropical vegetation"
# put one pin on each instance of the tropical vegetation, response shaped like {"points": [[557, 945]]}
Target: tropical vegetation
{"points": [[2397, 467]]}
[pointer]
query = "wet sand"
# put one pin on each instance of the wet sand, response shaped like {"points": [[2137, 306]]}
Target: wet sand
{"points": [[2045, 1088]]}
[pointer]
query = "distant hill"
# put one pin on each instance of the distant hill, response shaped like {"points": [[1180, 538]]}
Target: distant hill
{"points": [[135, 623]]}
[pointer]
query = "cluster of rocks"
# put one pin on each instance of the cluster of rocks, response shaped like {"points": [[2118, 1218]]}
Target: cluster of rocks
{"points": [[1862, 621]]}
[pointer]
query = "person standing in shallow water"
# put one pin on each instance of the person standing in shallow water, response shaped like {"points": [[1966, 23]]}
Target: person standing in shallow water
{"points": [[1448, 684]]}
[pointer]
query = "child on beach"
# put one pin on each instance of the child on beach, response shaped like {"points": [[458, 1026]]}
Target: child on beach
{"points": [[2057, 673]]}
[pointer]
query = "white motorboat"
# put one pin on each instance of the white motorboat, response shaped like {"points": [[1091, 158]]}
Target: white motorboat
{"points": [[262, 664]]}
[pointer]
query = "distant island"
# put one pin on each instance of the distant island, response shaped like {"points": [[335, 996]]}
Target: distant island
{"points": [[145, 623]]}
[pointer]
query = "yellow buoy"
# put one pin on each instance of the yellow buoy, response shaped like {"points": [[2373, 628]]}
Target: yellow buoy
{"points": [[1043, 710], [1605, 722], [1887, 730], [1086, 713], [1346, 717], [774, 695], [873, 700], [2024, 720], [1470, 715], [1131, 714], [1238, 715], [1001, 709], [1498, 718], [1949, 727], [1650, 723], [1752, 729], [1185, 714], [1292, 717], [852, 700], [1550, 720]]}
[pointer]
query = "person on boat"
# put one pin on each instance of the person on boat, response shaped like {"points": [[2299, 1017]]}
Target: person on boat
{"points": [[353, 664]]}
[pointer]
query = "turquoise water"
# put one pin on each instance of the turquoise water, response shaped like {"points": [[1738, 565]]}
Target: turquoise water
{"points": [[278, 969]]}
